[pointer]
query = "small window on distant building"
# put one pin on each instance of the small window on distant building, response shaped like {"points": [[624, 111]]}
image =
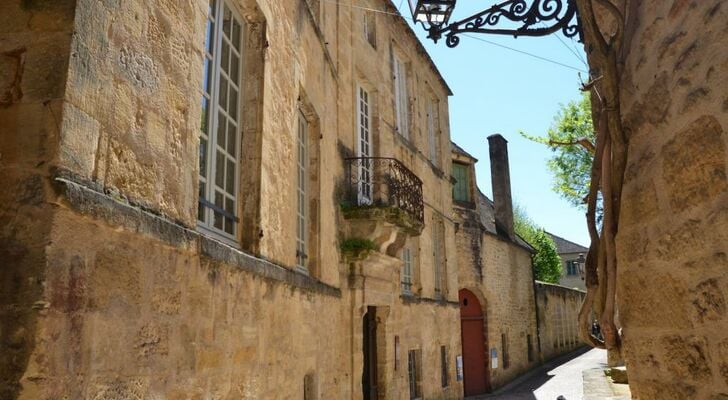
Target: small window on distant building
{"points": [[443, 366], [370, 28], [438, 256], [572, 267], [301, 194], [461, 190], [414, 369]]}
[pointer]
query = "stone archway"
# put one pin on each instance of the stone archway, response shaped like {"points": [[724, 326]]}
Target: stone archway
{"points": [[476, 379]]}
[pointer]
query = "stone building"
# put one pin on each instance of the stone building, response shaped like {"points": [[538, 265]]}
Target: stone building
{"points": [[572, 262], [671, 246], [558, 308], [495, 274], [228, 199]]}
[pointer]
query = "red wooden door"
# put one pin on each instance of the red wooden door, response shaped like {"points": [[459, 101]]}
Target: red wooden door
{"points": [[475, 372]]}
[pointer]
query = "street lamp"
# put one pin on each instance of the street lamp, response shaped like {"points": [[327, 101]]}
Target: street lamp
{"points": [[581, 260], [528, 18]]}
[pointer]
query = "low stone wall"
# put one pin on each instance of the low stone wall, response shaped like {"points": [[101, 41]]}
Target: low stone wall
{"points": [[558, 310]]}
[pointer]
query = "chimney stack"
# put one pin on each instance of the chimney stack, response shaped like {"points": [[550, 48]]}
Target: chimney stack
{"points": [[501, 181]]}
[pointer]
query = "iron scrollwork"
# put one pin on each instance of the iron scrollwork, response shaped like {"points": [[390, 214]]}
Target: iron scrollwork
{"points": [[541, 18], [384, 182]]}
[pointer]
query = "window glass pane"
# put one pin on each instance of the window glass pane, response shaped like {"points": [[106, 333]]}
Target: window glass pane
{"points": [[218, 216], [230, 208], [232, 136], [230, 177], [211, 9], [223, 98], [210, 36], [203, 157], [236, 35], [233, 108], [219, 169], [226, 20], [201, 208], [204, 120], [235, 69], [221, 129], [225, 57]]}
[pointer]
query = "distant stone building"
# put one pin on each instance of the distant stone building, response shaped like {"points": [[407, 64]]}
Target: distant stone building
{"points": [[572, 259], [495, 274]]}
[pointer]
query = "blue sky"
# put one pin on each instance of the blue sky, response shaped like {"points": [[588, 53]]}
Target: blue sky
{"points": [[497, 90]]}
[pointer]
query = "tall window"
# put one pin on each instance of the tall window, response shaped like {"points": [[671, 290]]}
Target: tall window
{"points": [[407, 271], [438, 255], [220, 125], [461, 189], [370, 28], [432, 132], [414, 372], [301, 196], [401, 100], [443, 367], [364, 148]]}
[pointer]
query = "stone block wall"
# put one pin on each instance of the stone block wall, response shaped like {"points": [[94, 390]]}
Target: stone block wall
{"points": [[558, 311], [671, 244], [108, 289], [508, 288]]}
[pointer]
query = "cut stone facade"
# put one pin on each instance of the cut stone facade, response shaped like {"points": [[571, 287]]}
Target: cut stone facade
{"points": [[673, 230], [110, 290]]}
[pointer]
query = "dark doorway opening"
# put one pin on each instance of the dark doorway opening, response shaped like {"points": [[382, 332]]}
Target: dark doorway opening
{"points": [[369, 375], [475, 368]]}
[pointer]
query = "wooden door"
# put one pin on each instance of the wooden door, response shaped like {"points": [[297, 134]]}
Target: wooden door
{"points": [[369, 375], [475, 367]]}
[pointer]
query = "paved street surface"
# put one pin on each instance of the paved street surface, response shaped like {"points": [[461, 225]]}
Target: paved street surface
{"points": [[562, 377]]}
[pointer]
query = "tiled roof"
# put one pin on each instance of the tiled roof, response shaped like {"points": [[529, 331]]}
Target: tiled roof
{"points": [[487, 218], [564, 246]]}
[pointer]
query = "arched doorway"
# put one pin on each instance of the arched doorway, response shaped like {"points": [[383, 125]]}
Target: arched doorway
{"points": [[475, 367]]}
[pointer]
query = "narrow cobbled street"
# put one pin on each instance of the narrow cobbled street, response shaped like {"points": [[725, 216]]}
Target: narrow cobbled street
{"points": [[561, 377]]}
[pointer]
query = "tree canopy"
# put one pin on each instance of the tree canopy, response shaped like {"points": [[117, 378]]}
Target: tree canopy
{"points": [[546, 261], [570, 137]]}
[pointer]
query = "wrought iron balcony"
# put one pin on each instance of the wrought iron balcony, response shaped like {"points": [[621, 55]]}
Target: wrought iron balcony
{"points": [[381, 183]]}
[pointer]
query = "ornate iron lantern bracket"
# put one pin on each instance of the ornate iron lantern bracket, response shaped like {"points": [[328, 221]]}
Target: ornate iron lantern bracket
{"points": [[540, 18]]}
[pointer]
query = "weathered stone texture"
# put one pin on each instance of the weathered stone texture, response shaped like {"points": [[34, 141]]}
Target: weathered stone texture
{"points": [[558, 310], [111, 292], [671, 243]]}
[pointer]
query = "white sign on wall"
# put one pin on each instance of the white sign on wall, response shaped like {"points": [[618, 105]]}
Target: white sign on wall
{"points": [[493, 358]]}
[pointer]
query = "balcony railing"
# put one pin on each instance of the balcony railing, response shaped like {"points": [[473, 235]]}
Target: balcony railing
{"points": [[383, 182]]}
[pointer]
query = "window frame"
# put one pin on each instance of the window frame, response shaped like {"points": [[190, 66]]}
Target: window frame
{"points": [[365, 186], [212, 74], [401, 98], [464, 186], [302, 195], [431, 109], [407, 281]]}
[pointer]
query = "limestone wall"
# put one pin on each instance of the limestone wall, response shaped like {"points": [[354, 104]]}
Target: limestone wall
{"points": [[111, 292], [558, 310], [508, 289], [672, 236], [35, 43]]}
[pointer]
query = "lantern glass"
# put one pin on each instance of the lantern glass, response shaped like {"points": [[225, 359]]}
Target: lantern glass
{"points": [[431, 12]]}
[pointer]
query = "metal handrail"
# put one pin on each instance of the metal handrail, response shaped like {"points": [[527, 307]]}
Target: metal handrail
{"points": [[384, 181]]}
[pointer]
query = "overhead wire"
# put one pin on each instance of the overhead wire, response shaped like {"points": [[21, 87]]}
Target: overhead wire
{"points": [[397, 14]]}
